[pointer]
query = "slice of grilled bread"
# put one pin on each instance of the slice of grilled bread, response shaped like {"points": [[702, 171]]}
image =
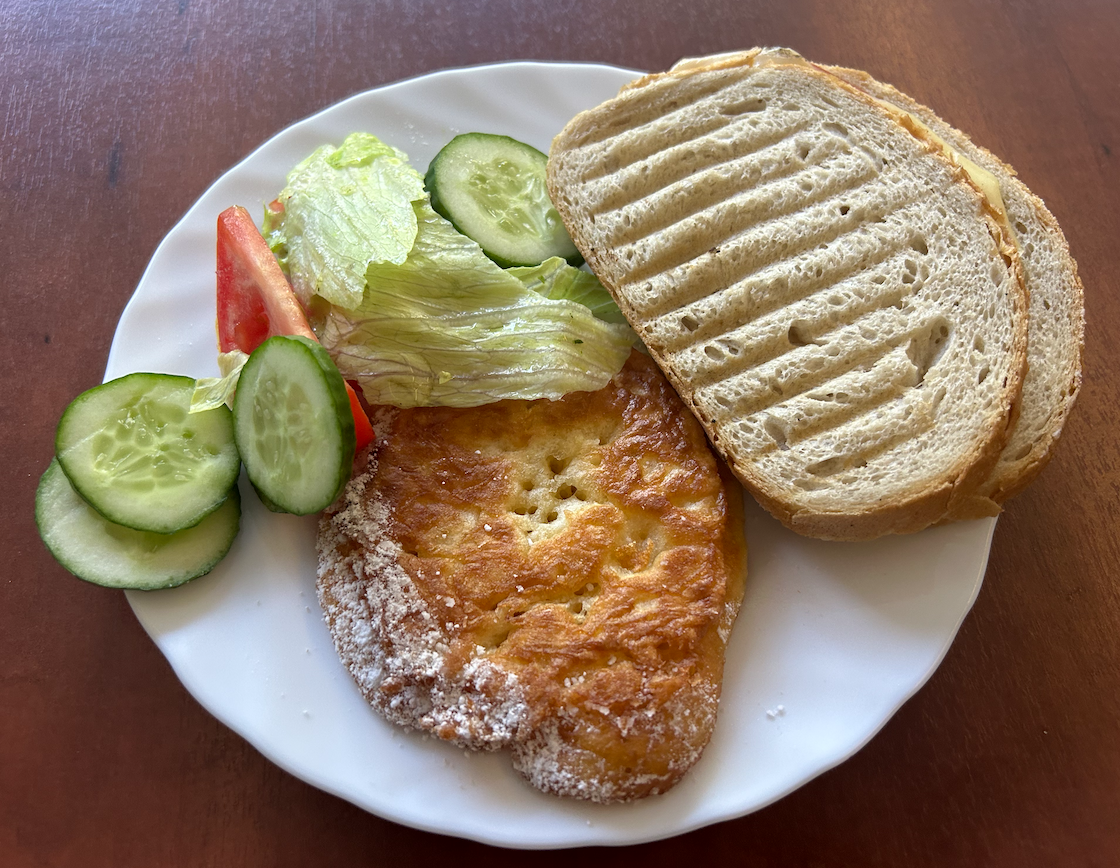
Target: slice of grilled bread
{"points": [[832, 294], [1057, 313], [558, 578]]}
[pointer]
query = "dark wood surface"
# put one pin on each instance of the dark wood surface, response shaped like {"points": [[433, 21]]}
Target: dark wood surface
{"points": [[116, 116]]}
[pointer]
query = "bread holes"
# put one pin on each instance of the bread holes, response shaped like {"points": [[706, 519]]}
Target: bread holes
{"points": [[556, 465], [878, 161], [910, 272], [582, 599], [827, 467], [545, 495], [799, 334], [778, 432], [926, 348], [744, 107], [567, 491]]}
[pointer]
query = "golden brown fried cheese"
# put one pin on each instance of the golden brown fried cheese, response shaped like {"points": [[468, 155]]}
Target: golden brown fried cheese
{"points": [[558, 578]]}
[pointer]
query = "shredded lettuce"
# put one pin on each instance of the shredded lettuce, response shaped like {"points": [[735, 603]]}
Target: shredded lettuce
{"points": [[449, 327], [343, 209]]}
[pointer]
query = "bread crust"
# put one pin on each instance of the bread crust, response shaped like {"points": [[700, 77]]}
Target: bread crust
{"points": [[1056, 320], [554, 578], [950, 493]]}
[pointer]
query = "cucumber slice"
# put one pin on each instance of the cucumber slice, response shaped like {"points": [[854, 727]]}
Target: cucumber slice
{"points": [[99, 551], [293, 425], [492, 188], [134, 452]]}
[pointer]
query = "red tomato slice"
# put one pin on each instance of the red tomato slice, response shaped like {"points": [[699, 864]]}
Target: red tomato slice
{"points": [[255, 300]]}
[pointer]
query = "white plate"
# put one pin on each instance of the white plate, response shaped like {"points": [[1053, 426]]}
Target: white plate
{"points": [[832, 640]]}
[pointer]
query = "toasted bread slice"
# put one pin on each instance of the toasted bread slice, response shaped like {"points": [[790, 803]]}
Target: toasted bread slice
{"points": [[1056, 333], [558, 578], [834, 296]]}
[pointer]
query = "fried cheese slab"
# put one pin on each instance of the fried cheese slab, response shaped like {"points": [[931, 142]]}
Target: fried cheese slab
{"points": [[558, 578]]}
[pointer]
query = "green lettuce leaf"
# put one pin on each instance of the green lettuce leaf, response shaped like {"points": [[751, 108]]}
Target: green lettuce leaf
{"points": [[211, 392], [343, 209], [449, 327], [554, 278]]}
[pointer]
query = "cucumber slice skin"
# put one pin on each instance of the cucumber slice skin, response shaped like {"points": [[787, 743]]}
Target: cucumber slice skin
{"points": [[133, 451], [492, 189], [293, 425], [98, 551]]}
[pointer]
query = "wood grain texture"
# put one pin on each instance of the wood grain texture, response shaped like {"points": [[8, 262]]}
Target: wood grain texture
{"points": [[116, 116]]}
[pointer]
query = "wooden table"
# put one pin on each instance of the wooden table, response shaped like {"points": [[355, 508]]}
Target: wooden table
{"points": [[117, 116]]}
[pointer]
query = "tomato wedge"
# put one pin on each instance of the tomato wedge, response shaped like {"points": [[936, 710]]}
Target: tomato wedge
{"points": [[256, 302]]}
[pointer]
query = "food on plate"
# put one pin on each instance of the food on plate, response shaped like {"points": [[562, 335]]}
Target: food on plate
{"points": [[141, 493], [99, 551], [1056, 330], [134, 453], [833, 289], [293, 425], [412, 310], [342, 209], [492, 189], [539, 552], [557, 578], [256, 302]]}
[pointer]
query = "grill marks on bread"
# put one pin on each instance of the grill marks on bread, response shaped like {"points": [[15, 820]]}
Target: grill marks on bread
{"points": [[1056, 322], [558, 578], [827, 290]]}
